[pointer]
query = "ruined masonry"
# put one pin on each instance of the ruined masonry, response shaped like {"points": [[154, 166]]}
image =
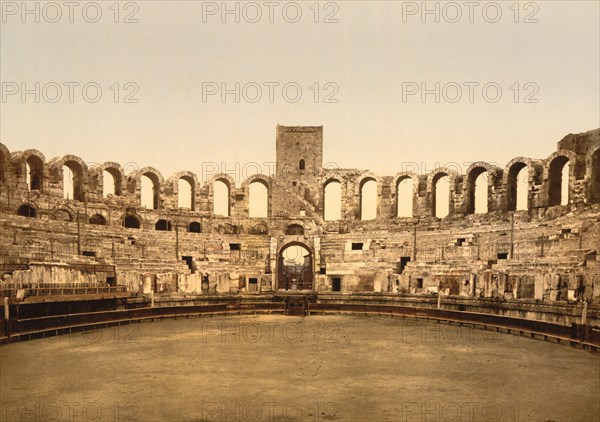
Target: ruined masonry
{"points": [[545, 251]]}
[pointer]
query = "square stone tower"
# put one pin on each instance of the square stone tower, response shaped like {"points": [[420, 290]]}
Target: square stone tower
{"points": [[296, 186], [299, 151]]}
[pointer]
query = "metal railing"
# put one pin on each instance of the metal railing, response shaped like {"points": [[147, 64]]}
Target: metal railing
{"points": [[58, 290]]}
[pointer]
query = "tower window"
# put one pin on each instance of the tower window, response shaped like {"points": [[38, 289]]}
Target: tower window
{"points": [[301, 165]]}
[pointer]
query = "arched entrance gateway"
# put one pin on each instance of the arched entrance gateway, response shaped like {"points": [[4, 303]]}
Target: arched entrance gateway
{"points": [[295, 267]]}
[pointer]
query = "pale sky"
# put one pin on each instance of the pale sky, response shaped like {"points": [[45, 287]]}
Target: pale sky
{"points": [[366, 61]]}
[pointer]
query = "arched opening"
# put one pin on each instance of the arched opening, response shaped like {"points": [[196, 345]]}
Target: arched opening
{"points": [[34, 171], [595, 179], [558, 181], [295, 268], [26, 211], [441, 195], [221, 198], [294, 230], [72, 181], [108, 184], [368, 200], [131, 222], [185, 194], [68, 187], [111, 182], [150, 191], [258, 200], [195, 227], [163, 225], [522, 189], [404, 197], [564, 185], [477, 191], [481, 193], [517, 187], [98, 220], [61, 214], [332, 201]]}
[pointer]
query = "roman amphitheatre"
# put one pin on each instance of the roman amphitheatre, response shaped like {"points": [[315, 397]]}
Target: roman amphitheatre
{"points": [[313, 293]]}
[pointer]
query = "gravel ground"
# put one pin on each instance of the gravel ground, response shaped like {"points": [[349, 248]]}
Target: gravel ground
{"points": [[278, 368]]}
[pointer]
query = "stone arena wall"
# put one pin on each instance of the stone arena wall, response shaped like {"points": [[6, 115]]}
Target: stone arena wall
{"points": [[546, 253]]}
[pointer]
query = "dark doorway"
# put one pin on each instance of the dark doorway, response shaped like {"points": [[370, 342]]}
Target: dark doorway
{"points": [[131, 222], [26, 211], [98, 220], [336, 284], [163, 225]]}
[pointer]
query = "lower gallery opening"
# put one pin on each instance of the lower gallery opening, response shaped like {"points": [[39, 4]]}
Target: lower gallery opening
{"points": [[295, 268], [395, 369]]}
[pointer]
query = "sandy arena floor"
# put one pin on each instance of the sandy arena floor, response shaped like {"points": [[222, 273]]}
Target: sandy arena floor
{"points": [[277, 368]]}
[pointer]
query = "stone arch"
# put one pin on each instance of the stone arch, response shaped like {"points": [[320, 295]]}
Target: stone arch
{"points": [[432, 180], [4, 163], [230, 184], [163, 225], [303, 278], [474, 171], [97, 219], [62, 213], [27, 210], [510, 182], [131, 220], [361, 181], [135, 185], [31, 168], [80, 175], [195, 227], [266, 182], [593, 175], [190, 178], [553, 168], [294, 229], [259, 229], [330, 213], [117, 173], [400, 178]]}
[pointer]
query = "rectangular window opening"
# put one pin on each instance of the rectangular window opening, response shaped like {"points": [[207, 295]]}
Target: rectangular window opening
{"points": [[357, 246], [336, 284]]}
